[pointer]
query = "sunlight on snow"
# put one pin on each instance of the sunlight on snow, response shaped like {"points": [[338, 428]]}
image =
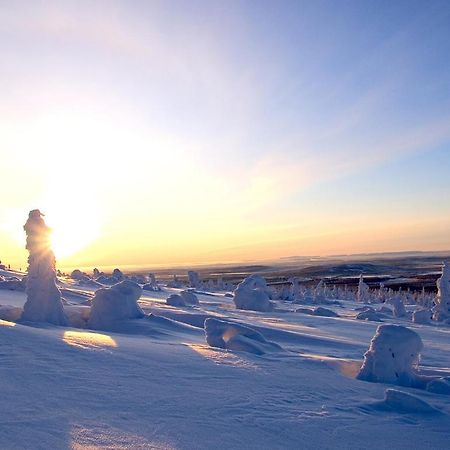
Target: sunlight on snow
{"points": [[220, 356], [99, 436], [85, 339], [5, 323]]}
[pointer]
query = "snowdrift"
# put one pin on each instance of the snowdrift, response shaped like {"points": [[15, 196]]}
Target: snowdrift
{"points": [[234, 336]]}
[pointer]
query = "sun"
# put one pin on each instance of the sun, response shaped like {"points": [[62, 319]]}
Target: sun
{"points": [[71, 232]]}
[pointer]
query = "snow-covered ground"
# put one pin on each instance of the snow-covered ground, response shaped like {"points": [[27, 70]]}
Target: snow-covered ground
{"points": [[156, 383]]}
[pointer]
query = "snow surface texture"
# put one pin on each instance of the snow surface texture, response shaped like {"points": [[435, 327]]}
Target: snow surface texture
{"points": [[441, 310], [405, 403], [44, 298], [234, 336], [114, 304], [154, 383], [252, 294], [392, 357], [422, 316]]}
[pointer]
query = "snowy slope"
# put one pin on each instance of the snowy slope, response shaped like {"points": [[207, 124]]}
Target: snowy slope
{"points": [[155, 383]]}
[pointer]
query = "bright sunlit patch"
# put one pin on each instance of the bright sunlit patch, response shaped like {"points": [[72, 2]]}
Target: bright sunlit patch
{"points": [[6, 323], [220, 356], [88, 340], [71, 233]]}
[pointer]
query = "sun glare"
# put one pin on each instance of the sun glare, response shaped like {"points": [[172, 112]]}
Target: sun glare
{"points": [[71, 234]]}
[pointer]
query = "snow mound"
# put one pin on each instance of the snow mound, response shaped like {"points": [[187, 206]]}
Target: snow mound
{"points": [[13, 285], [77, 315], [175, 300], [422, 316], [402, 402], [252, 294], [189, 297], [319, 311], [117, 303], [370, 315], [10, 313], [392, 357], [237, 337], [439, 386]]}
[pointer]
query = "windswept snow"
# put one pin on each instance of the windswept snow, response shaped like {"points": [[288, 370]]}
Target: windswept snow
{"points": [[214, 376]]}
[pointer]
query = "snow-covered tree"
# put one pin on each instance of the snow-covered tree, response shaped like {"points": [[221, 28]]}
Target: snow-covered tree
{"points": [[253, 294], [392, 357], [194, 279], [43, 297], [363, 291], [115, 304], [399, 307], [441, 309]]}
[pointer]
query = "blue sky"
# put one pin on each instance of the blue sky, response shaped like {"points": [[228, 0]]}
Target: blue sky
{"points": [[260, 116]]}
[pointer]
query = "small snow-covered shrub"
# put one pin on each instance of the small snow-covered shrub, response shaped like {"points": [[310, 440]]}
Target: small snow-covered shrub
{"points": [[119, 302], [234, 336], [399, 307], [324, 312], [439, 386], [13, 285], [403, 402], [252, 294], [77, 274], [175, 300], [319, 311], [118, 275], [10, 313], [370, 315], [189, 297], [392, 357]]}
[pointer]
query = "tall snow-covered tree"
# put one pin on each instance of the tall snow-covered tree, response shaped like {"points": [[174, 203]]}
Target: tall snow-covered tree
{"points": [[441, 309], [43, 297]]}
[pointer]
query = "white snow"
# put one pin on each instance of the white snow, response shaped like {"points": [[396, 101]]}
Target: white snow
{"points": [[43, 297], [441, 310], [252, 294], [155, 382], [392, 356], [234, 336], [117, 303]]}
